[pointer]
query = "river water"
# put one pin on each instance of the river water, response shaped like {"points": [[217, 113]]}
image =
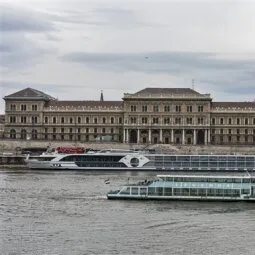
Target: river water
{"points": [[43, 212]]}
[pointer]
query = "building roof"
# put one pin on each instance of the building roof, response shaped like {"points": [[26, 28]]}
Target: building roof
{"points": [[167, 91], [233, 105], [29, 93], [86, 103]]}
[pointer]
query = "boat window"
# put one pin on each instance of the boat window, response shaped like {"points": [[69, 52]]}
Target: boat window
{"points": [[143, 191], [246, 180], [134, 191]]}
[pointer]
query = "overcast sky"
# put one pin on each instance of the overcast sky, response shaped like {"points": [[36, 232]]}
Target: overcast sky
{"points": [[73, 49]]}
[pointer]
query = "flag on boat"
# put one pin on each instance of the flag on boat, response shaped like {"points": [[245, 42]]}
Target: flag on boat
{"points": [[107, 181]]}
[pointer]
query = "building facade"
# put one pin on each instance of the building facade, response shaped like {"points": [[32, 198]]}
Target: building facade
{"points": [[150, 116]]}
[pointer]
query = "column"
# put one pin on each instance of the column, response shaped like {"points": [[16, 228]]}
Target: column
{"points": [[138, 135], [172, 136], [205, 136], [124, 135], [194, 136], [161, 135], [127, 136], [149, 135], [183, 136], [209, 136]]}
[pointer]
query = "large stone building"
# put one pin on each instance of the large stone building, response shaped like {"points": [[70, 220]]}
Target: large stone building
{"points": [[152, 115]]}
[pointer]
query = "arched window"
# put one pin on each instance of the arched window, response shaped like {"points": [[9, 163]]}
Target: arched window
{"points": [[23, 134], [62, 120], [71, 120], [54, 120], [34, 134], [87, 120], [104, 120], [112, 120], [13, 134], [79, 120]]}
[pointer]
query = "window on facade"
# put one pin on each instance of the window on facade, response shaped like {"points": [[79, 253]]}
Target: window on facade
{"points": [[87, 120], [144, 108], [167, 108], [103, 130], [221, 121], [78, 130], [112, 120], [54, 130], [23, 107], [155, 108], [238, 138], [34, 107], [79, 120], [229, 138], [62, 137], [104, 120], [87, 130], [112, 130], [23, 119], [70, 137], [253, 131], [46, 120], [71, 120], [246, 138], [95, 120], [46, 130], [213, 121], [62, 130], [54, 120], [229, 131], [166, 120], [221, 139], [253, 121], [200, 108], [178, 120], [133, 120], [238, 121], [144, 120], [12, 119], [200, 121], [246, 121], [189, 120], [155, 120], [34, 119], [120, 120], [221, 131], [23, 134], [62, 120], [13, 107], [13, 134], [238, 131], [189, 108], [133, 108], [229, 121], [178, 108], [246, 131], [70, 130], [34, 134], [95, 130], [213, 131]]}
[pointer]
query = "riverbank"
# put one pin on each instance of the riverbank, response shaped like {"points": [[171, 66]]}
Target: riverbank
{"points": [[12, 146]]}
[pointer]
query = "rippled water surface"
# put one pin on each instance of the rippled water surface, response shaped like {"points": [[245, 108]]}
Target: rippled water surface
{"points": [[44, 212]]}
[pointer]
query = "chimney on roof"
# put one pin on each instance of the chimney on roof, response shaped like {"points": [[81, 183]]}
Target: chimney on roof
{"points": [[102, 96]]}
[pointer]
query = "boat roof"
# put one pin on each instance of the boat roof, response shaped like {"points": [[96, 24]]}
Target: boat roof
{"points": [[223, 175]]}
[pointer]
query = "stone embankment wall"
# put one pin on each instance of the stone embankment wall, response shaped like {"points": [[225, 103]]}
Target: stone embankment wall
{"points": [[11, 145]]}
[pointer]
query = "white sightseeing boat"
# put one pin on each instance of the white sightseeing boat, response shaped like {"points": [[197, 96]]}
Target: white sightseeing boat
{"points": [[141, 160], [190, 187]]}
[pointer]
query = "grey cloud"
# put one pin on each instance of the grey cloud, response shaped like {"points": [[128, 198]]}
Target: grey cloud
{"points": [[22, 20], [157, 62], [233, 76]]}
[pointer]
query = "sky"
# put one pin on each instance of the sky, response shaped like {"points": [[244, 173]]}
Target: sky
{"points": [[73, 49]]}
